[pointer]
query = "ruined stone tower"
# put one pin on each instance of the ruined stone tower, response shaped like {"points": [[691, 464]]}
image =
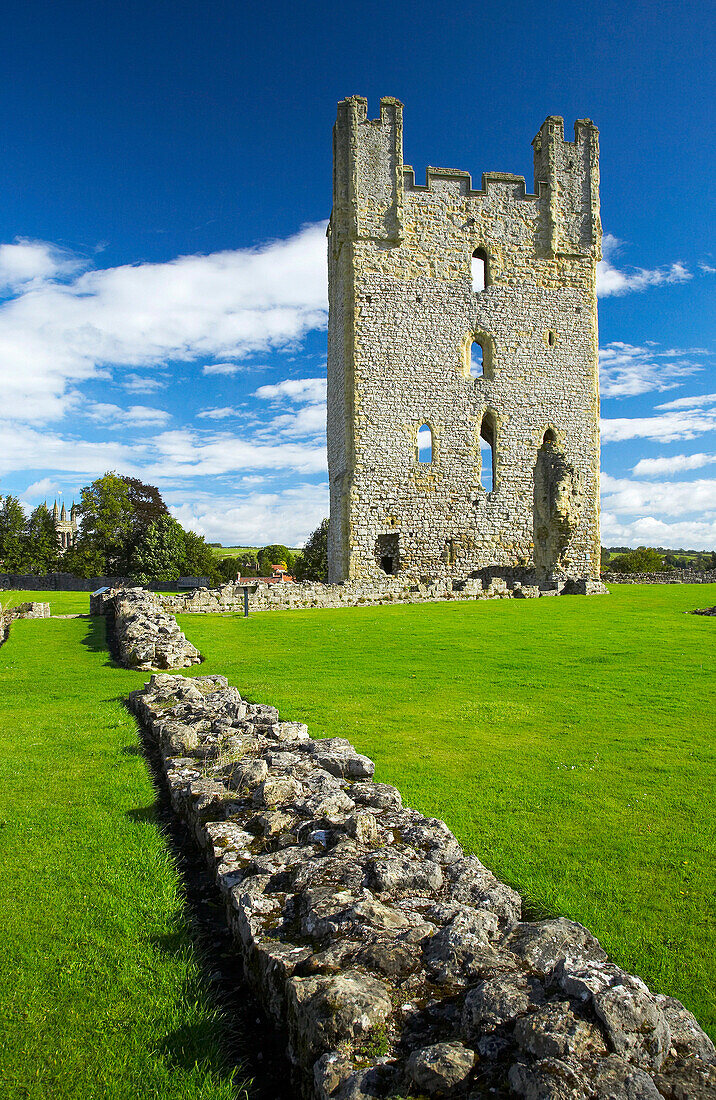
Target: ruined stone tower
{"points": [[463, 402]]}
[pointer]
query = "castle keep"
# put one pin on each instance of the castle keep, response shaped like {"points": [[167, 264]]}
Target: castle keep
{"points": [[463, 402]]}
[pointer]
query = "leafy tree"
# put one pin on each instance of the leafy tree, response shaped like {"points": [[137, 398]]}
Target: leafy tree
{"points": [[248, 564], [166, 552], [12, 529], [107, 521], [160, 554], [82, 560], [313, 562], [274, 555], [199, 561], [41, 546], [642, 560], [227, 568], [146, 506]]}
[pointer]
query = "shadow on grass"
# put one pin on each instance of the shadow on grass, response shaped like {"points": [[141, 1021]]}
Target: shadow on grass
{"points": [[129, 750], [145, 813], [97, 640]]}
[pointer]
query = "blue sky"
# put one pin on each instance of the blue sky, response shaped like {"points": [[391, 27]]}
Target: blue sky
{"points": [[166, 180]]}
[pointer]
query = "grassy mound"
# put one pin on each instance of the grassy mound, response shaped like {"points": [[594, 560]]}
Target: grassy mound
{"points": [[99, 984], [568, 742]]}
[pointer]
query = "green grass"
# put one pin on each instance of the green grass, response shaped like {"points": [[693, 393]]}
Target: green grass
{"points": [[101, 992], [236, 551], [568, 742]]}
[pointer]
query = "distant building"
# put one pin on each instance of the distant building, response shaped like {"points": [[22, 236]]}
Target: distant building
{"points": [[65, 525]]}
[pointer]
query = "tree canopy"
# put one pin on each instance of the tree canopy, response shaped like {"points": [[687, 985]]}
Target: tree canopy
{"points": [[312, 564]]}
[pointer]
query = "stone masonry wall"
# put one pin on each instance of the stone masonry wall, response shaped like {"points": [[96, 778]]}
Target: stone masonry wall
{"points": [[398, 964], [403, 321]]}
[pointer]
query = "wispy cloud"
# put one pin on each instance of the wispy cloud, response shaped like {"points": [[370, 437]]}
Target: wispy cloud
{"points": [[222, 368], [161, 456], [219, 414], [666, 428], [225, 306], [696, 401], [613, 280], [672, 464], [137, 383], [136, 416], [626, 370]]}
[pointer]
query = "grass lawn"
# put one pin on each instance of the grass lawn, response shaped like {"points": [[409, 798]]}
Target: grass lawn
{"points": [[568, 742], [100, 989]]}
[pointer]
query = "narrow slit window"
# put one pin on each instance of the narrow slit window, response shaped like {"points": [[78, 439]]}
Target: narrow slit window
{"points": [[425, 444], [488, 439], [479, 270], [477, 359]]}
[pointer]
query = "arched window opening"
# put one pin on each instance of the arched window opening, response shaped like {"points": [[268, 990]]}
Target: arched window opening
{"points": [[425, 444], [550, 436], [480, 270], [488, 451], [477, 359]]}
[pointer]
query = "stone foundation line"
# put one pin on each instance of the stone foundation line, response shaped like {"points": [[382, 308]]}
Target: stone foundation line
{"points": [[397, 964], [490, 584]]}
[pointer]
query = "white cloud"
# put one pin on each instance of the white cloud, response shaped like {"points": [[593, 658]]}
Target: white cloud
{"points": [[622, 496], [45, 487], [256, 519], [311, 390], [612, 280], [649, 467], [219, 414], [626, 370], [27, 448], [698, 401], [25, 264], [306, 422], [652, 531], [669, 426], [225, 306]]}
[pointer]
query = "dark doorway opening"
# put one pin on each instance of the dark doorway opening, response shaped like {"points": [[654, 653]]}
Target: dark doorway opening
{"points": [[386, 551]]}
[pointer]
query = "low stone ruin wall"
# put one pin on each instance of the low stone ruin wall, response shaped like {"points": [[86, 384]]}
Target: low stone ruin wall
{"points": [[498, 584], [398, 965], [143, 635], [21, 611], [674, 576]]}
